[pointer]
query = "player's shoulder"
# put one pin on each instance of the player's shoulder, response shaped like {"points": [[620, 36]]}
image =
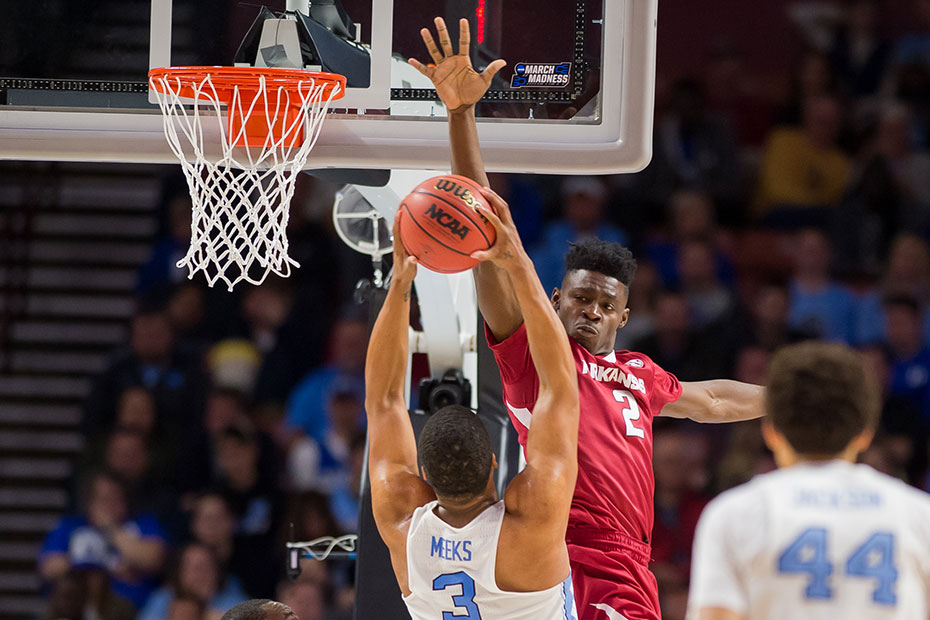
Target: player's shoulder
{"points": [[634, 359], [906, 493], [740, 502]]}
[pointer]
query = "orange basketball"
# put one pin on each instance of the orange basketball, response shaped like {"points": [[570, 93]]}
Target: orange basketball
{"points": [[440, 226]]}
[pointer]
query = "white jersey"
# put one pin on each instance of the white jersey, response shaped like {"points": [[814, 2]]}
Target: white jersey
{"points": [[815, 541], [451, 573]]}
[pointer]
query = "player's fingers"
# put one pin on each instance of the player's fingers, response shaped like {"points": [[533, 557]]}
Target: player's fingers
{"points": [[500, 205], [491, 217], [444, 39], [419, 66], [481, 255], [491, 70], [464, 37], [434, 52]]}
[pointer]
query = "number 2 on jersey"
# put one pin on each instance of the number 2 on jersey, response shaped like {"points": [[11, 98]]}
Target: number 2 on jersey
{"points": [[465, 600], [630, 413], [874, 559]]}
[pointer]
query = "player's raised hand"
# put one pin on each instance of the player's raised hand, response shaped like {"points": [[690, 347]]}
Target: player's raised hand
{"points": [[507, 250], [405, 265], [457, 83]]}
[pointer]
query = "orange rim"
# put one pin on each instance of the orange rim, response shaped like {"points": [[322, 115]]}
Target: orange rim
{"points": [[248, 78]]}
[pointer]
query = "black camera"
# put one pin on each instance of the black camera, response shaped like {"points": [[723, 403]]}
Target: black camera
{"points": [[452, 389]]}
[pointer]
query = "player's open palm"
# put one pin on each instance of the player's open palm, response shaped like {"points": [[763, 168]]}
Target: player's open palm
{"points": [[456, 81]]}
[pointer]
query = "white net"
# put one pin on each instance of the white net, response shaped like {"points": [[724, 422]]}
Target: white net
{"points": [[241, 193]]}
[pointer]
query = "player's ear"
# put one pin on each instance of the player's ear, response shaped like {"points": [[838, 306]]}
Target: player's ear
{"points": [[423, 474], [624, 317], [556, 298], [493, 462]]}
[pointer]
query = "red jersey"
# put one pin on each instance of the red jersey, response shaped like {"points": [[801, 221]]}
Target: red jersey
{"points": [[619, 393]]}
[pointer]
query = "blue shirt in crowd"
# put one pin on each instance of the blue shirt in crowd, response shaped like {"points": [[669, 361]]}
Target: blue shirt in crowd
{"points": [[829, 314]]}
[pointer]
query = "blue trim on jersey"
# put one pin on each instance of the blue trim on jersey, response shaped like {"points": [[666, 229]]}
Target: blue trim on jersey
{"points": [[568, 598]]}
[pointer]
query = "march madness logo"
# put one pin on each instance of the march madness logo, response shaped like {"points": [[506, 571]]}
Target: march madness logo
{"points": [[541, 75]]}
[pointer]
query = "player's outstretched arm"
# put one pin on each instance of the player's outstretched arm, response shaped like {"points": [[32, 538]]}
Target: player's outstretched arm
{"points": [[459, 88], [544, 488], [396, 488], [716, 401]]}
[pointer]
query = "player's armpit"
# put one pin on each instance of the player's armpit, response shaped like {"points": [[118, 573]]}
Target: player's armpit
{"points": [[717, 613]]}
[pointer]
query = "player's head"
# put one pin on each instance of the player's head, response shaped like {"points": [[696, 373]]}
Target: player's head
{"points": [[592, 300], [260, 609], [455, 451], [821, 403]]}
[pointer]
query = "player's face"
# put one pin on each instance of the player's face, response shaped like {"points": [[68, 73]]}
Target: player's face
{"points": [[592, 307]]}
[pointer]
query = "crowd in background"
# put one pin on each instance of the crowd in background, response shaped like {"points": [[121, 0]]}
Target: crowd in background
{"points": [[761, 221]]}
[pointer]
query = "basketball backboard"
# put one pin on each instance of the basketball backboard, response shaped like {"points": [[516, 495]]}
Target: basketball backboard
{"points": [[576, 97]]}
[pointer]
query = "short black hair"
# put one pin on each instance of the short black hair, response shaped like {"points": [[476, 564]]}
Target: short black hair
{"points": [[455, 450], [611, 259], [249, 610], [820, 396]]}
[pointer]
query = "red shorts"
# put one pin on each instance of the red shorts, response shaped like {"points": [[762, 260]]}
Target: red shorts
{"points": [[611, 576]]}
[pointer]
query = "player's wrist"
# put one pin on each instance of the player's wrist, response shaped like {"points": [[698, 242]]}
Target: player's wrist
{"points": [[463, 111]]}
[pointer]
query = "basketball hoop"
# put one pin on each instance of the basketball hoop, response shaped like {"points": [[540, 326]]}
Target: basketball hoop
{"points": [[241, 192]]}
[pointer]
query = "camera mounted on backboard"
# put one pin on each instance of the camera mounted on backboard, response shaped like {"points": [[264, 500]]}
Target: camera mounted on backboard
{"points": [[452, 389]]}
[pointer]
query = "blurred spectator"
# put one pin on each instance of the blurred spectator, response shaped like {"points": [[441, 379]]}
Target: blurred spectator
{"points": [[811, 77], [674, 344], [735, 93], [325, 466], [130, 547], [751, 365], [188, 607], [849, 34], [908, 168], [583, 215], [693, 150], [907, 273], [186, 308], [901, 423], [311, 515], [890, 192], [305, 597], [136, 410], [709, 301], [214, 525], [525, 202], [234, 364], [161, 267], [915, 47], [679, 461], [84, 593], [765, 325], [910, 370], [307, 408], [644, 293], [198, 572], [152, 362], [345, 497], [690, 217], [254, 496], [744, 456], [127, 454], [803, 170], [819, 306]]}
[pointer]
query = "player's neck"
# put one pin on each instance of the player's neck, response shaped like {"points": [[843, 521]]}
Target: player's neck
{"points": [[793, 458], [458, 513]]}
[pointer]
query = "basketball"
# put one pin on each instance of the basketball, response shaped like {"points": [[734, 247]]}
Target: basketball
{"points": [[440, 225]]}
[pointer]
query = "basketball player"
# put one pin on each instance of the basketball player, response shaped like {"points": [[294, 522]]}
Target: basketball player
{"points": [[457, 550], [620, 391], [822, 538]]}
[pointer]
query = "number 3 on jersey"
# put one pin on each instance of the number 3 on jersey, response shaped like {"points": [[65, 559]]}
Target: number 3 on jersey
{"points": [[630, 413], [874, 559], [465, 600]]}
